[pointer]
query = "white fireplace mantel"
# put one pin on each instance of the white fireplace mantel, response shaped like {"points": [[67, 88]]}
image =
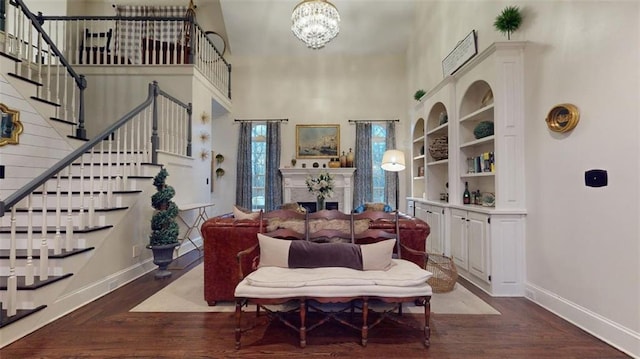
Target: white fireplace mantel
{"points": [[295, 186]]}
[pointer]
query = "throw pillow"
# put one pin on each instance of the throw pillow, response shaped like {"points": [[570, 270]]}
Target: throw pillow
{"points": [[370, 206], [241, 213], [303, 254]]}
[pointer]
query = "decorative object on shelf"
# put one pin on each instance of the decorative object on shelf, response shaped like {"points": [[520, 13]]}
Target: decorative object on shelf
{"points": [[219, 172], [204, 136], [219, 158], [487, 99], [418, 95], [421, 150], [293, 162], [315, 22], [439, 148], [343, 160], [204, 154], [420, 171], [315, 165], [321, 187], [10, 127], [444, 272], [488, 199], [466, 195], [464, 50], [334, 163], [304, 165], [508, 21], [204, 117], [164, 227], [563, 117], [350, 158], [483, 129], [443, 118], [317, 141]]}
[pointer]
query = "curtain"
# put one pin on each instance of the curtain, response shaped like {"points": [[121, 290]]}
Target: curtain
{"points": [[131, 34], [273, 180], [362, 184], [391, 178], [243, 172]]}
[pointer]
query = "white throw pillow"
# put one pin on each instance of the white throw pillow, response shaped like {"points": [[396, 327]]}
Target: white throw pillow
{"points": [[273, 252]]}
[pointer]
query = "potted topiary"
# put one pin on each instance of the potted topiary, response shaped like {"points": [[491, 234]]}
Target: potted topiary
{"points": [[508, 21], [164, 227]]}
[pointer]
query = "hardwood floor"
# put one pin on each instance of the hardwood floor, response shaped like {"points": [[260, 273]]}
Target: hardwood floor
{"points": [[106, 329]]}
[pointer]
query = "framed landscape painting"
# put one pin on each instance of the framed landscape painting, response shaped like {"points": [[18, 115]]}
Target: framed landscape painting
{"points": [[317, 141]]}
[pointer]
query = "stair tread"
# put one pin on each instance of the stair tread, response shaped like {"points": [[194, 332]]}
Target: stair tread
{"points": [[74, 210], [90, 192], [52, 229], [115, 163], [22, 253], [37, 283], [104, 177], [20, 313]]}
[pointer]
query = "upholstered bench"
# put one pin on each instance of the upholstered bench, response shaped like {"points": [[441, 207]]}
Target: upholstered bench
{"points": [[305, 273]]}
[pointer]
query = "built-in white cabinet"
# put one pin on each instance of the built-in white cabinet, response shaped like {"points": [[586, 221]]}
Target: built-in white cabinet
{"points": [[483, 104], [470, 242], [434, 216]]}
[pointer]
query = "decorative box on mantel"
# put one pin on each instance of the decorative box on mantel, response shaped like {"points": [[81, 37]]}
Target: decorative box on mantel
{"points": [[295, 186]]}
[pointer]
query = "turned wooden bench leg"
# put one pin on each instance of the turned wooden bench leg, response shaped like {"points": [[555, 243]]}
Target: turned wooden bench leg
{"points": [[303, 328], [238, 322], [365, 316], [427, 328]]}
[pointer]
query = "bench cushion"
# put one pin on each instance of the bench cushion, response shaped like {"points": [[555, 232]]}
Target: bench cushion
{"points": [[303, 254], [402, 274]]}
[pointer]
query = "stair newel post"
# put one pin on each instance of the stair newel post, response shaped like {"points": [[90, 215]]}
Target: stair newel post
{"points": [[44, 245], [229, 83], [153, 88], [189, 127], [81, 131], [69, 230]]}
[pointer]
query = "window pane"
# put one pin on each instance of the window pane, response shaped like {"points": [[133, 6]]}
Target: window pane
{"points": [[258, 165], [378, 146]]}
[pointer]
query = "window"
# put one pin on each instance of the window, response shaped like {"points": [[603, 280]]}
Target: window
{"points": [[2, 15], [258, 164], [378, 146]]}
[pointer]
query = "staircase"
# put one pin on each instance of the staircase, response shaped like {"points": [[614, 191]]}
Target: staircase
{"points": [[81, 232]]}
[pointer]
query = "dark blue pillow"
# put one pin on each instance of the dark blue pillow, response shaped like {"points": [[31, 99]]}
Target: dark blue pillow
{"points": [[359, 209]]}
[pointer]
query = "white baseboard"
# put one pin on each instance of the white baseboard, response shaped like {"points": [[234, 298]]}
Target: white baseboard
{"points": [[612, 333]]}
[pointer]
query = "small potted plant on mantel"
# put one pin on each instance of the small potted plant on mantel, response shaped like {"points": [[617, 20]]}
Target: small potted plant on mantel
{"points": [[164, 227]]}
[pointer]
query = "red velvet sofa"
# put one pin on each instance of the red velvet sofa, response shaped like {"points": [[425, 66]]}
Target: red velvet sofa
{"points": [[224, 236]]}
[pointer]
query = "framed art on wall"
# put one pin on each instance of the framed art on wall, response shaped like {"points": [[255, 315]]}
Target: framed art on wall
{"points": [[317, 141], [10, 126]]}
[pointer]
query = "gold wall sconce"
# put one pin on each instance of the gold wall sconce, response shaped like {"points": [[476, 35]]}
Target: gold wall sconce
{"points": [[563, 118]]}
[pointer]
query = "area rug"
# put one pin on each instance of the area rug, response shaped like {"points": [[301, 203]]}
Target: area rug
{"points": [[186, 294]]}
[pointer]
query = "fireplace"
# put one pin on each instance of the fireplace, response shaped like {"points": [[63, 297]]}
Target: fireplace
{"points": [[295, 188], [311, 206]]}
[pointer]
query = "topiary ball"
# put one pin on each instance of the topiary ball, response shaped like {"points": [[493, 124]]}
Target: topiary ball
{"points": [[483, 129]]}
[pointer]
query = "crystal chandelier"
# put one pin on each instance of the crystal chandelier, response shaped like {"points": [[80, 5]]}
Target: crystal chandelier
{"points": [[315, 22]]}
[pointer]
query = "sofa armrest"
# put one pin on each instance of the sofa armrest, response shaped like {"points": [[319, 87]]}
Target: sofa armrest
{"points": [[248, 261], [404, 249]]}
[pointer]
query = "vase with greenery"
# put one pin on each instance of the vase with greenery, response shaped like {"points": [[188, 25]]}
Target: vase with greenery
{"points": [[164, 227], [508, 21], [321, 187]]}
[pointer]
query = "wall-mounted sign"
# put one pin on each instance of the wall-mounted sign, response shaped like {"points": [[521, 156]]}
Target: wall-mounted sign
{"points": [[463, 52]]}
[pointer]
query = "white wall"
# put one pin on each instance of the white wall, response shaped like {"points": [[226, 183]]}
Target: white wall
{"points": [[314, 89], [583, 247]]}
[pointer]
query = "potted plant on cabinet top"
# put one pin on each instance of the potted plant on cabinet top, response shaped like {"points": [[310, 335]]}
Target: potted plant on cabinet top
{"points": [[164, 227]]}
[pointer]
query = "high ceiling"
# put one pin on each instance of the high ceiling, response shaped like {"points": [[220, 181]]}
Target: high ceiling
{"points": [[263, 27]]}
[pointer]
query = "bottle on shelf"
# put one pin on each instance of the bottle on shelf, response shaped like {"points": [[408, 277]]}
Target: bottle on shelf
{"points": [[350, 158], [343, 160], [466, 196]]}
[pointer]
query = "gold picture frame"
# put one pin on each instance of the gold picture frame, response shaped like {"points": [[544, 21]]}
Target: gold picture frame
{"points": [[563, 117], [10, 126], [317, 141]]}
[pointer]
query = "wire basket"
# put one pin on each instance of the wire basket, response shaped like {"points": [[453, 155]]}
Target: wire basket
{"points": [[444, 272]]}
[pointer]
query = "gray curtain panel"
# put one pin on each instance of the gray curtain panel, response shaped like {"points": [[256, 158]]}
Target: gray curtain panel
{"points": [[390, 178], [273, 180], [243, 173], [362, 184]]}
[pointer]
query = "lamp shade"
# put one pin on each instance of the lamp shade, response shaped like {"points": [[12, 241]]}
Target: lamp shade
{"points": [[393, 160]]}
